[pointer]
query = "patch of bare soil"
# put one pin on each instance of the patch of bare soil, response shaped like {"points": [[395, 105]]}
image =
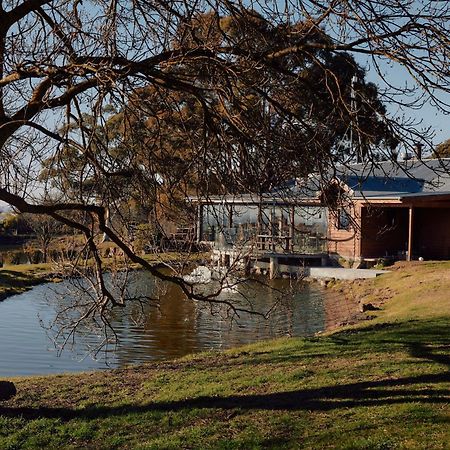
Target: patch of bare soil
{"points": [[341, 309], [350, 302]]}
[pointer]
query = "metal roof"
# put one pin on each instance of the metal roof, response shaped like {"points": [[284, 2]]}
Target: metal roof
{"points": [[369, 180], [393, 179]]}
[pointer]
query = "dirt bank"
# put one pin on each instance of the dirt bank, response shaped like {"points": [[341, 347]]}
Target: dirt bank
{"points": [[410, 290]]}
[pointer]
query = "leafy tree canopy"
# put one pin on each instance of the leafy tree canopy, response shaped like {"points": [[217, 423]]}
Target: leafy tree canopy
{"points": [[154, 100], [443, 149]]}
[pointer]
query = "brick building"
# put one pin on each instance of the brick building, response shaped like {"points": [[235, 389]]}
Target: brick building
{"points": [[397, 210]]}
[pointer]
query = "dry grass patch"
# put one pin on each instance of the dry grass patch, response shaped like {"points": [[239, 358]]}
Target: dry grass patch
{"points": [[410, 291]]}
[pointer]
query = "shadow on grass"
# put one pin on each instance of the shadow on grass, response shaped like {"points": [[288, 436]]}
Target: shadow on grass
{"points": [[410, 330], [423, 389], [421, 343], [16, 278], [421, 338]]}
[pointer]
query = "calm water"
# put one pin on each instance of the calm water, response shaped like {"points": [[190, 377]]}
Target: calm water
{"points": [[177, 328]]}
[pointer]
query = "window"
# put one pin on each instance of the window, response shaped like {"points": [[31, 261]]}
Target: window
{"points": [[343, 222]]}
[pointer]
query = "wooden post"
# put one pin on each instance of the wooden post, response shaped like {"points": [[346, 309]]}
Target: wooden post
{"points": [[230, 216], [199, 222], [410, 233], [272, 221], [292, 228], [273, 267], [259, 224], [272, 228]]}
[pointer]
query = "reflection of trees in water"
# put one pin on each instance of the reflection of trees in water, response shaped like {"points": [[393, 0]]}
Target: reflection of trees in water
{"points": [[162, 332], [294, 309], [175, 326]]}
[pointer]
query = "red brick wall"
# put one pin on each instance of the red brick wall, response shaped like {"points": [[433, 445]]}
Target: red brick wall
{"points": [[383, 231]]}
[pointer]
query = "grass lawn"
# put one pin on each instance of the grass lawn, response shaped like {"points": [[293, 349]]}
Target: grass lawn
{"points": [[15, 279], [384, 384]]}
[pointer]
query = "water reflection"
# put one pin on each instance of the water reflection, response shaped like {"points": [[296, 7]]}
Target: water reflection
{"points": [[176, 328]]}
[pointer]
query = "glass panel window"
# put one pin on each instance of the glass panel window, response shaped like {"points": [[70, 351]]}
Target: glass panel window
{"points": [[343, 222]]}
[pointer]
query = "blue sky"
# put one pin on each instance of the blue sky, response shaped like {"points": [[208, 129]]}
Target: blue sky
{"points": [[428, 114]]}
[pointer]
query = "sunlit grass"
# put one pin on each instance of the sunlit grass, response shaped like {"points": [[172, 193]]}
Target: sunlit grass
{"points": [[15, 279], [418, 290], [383, 384]]}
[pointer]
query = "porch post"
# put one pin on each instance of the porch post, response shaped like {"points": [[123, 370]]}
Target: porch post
{"points": [[199, 222], [272, 227], [259, 223], [292, 227], [272, 221], [410, 233], [230, 216]]}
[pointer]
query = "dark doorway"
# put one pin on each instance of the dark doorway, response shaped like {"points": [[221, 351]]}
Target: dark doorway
{"points": [[431, 237], [384, 232]]}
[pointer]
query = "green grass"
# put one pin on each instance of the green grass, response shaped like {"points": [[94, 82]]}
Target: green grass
{"points": [[382, 385], [412, 291], [15, 279]]}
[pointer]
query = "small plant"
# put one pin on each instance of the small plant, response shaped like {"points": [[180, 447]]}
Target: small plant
{"points": [[145, 237], [382, 263]]}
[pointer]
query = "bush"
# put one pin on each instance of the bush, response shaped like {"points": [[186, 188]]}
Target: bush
{"points": [[12, 258], [145, 237]]}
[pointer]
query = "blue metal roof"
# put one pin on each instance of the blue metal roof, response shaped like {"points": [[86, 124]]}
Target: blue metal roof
{"points": [[387, 180], [395, 179], [379, 186]]}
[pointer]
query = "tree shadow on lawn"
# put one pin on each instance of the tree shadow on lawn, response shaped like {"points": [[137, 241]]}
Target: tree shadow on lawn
{"points": [[421, 389], [435, 331], [14, 278], [416, 336]]}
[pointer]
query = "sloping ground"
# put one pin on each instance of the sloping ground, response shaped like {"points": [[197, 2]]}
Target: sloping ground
{"points": [[383, 385], [412, 290], [19, 278]]}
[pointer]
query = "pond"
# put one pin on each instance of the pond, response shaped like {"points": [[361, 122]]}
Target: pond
{"points": [[177, 328]]}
